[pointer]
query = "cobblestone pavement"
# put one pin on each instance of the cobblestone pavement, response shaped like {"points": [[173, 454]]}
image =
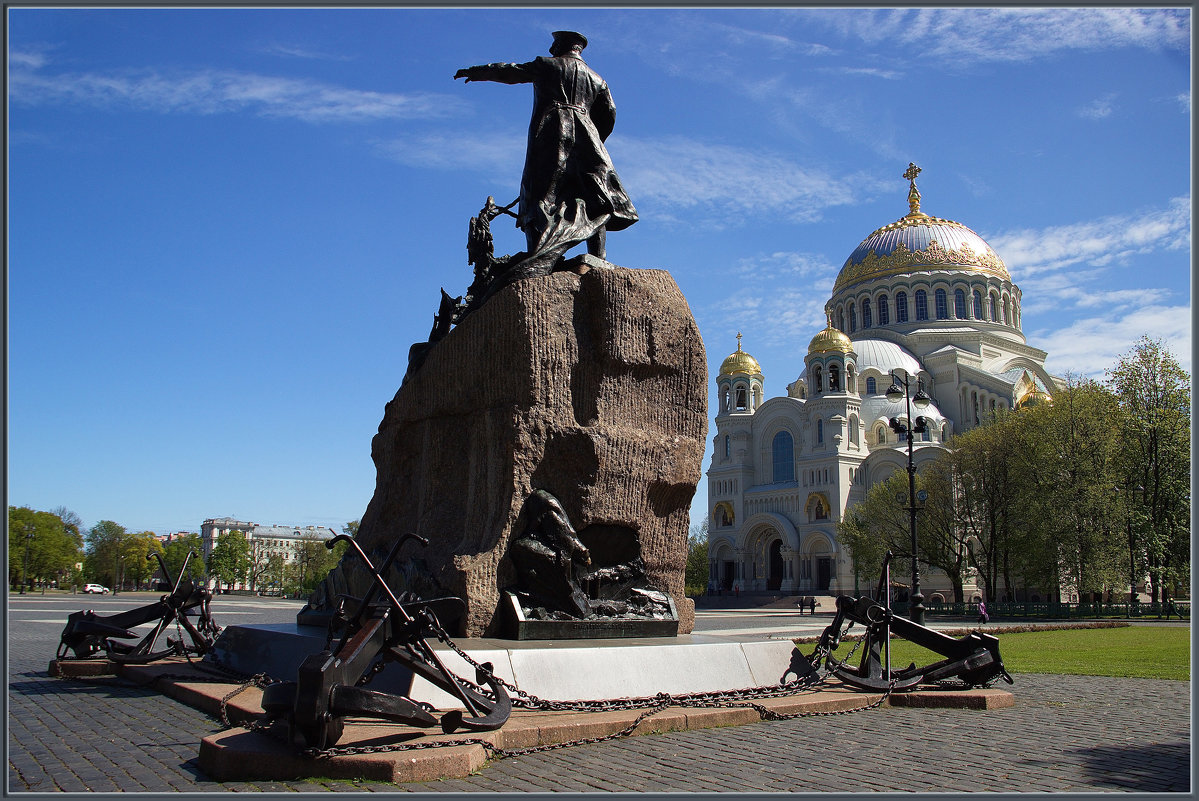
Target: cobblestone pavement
{"points": [[1065, 734]]}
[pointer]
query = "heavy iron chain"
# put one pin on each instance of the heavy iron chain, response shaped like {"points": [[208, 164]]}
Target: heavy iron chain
{"points": [[730, 699]]}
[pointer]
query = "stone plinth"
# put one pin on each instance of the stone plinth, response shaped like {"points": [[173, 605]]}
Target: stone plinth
{"points": [[590, 384]]}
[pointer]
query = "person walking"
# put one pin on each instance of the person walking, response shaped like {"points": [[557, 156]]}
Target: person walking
{"points": [[983, 617]]}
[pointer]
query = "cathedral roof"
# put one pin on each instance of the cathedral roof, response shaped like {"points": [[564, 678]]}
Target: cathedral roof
{"points": [[885, 357], [917, 242], [740, 362]]}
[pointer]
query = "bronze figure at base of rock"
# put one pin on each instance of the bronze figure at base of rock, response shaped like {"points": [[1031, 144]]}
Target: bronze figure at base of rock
{"points": [[589, 385]]}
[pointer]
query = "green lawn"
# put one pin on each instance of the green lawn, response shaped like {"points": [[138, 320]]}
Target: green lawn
{"points": [[1148, 652]]}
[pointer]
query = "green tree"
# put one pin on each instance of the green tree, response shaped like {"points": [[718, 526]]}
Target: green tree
{"points": [[175, 552], [229, 561], [137, 563], [104, 543], [1071, 455], [696, 575], [988, 495], [880, 522], [42, 548], [351, 528], [313, 562], [1153, 393]]}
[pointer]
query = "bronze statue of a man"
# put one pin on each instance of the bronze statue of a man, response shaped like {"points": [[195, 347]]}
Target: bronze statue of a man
{"points": [[569, 191]]}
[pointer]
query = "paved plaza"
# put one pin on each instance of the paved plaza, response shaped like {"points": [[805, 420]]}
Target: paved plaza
{"points": [[1065, 734]]}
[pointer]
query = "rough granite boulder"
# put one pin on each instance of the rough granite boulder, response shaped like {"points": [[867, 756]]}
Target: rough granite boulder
{"points": [[590, 384]]}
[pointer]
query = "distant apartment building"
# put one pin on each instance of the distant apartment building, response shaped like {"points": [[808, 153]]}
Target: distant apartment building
{"points": [[265, 541]]}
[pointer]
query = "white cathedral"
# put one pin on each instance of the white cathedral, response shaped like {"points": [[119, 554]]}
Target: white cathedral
{"points": [[923, 298]]}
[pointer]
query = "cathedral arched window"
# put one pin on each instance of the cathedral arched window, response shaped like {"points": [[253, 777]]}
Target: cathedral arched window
{"points": [[724, 399], [853, 319], [884, 314], [880, 435], [742, 399], [867, 319], [853, 430], [994, 316], [959, 304], [820, 431], [834, 378], [901, 307], [783, 451], [921, 304], [978, 305], [840, 319], [817, 379], [871, 386], [942, 304], [727, 447]]}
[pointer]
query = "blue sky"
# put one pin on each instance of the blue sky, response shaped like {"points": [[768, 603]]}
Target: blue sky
{"points": [[226, 226]]}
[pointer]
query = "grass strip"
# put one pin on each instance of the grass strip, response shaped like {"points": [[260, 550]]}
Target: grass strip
{"points": [[1147, 652]]}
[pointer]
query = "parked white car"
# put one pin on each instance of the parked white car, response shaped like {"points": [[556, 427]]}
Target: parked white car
{"points": [[100, 588]]}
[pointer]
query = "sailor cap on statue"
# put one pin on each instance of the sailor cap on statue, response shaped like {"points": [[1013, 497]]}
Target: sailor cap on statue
{"points": [[569, 38]]}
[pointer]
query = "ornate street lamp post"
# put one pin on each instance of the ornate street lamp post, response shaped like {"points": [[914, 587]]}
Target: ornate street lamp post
{"points": [[911, 427]]}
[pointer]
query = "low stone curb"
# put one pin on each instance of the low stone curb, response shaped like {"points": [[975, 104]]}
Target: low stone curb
{"points": [[242, 755]]}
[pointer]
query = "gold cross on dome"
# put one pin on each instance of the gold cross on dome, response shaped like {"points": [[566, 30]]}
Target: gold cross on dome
{"points": [[913, 192], [738, 340]]}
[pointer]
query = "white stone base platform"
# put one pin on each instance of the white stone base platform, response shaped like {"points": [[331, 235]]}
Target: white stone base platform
{"points": [[561, 670]]}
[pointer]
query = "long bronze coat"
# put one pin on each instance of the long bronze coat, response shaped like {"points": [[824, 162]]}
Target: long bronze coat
{"points": [[566, 159]]}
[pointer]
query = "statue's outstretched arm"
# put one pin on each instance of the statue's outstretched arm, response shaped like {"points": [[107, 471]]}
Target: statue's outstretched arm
{"points": [[500, 73]]}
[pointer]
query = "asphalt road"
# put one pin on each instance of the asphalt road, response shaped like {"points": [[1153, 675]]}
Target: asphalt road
{"points": [[1065, 734]]}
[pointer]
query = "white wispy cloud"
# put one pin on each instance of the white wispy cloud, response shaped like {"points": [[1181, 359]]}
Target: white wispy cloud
{"points": [[723, 183], [1092, 344], [783, 293], [1063, 272], [297, 51], [865, 72], [493, 155], [220, 92], [681, 179], [1011, 34], [1111, 240], [1099, 108]]}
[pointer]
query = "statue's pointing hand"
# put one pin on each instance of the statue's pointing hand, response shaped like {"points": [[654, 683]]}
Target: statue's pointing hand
{"points": [[463, 73]]}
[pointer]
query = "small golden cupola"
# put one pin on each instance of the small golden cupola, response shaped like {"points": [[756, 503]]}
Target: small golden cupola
{"points": [[739, 384], [830, 340], [831, 364]]}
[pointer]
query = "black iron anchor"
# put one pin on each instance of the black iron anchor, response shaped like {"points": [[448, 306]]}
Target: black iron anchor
{"points": [[973, 659], [87, 633], [327, 688]]}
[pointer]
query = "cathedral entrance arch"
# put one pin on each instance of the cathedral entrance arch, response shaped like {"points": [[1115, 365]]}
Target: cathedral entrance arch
{"points": [[824, 573], [775, 578]]}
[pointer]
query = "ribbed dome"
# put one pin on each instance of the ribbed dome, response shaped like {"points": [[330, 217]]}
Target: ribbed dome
{"points": [[919, 242], [830, 340], [740, 362]]}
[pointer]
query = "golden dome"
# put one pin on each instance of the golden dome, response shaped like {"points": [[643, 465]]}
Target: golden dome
{"points": [[740, 362], [1033, 397], [830, 340], [918, 242]]}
